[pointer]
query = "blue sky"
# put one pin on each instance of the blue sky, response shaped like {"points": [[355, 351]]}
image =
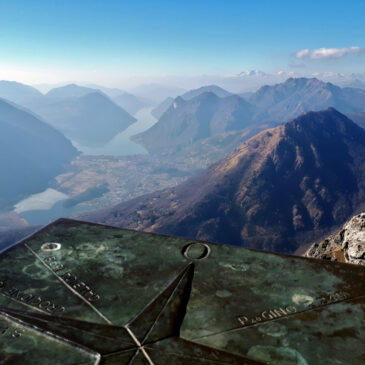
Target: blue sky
{"points": [[59, 40]]}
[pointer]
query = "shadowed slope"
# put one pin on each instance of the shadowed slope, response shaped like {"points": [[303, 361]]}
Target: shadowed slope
{"points": [[285, 183]]}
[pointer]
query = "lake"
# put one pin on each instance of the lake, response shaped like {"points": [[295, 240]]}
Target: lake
{"points": [[121, 145], [46, 206]]}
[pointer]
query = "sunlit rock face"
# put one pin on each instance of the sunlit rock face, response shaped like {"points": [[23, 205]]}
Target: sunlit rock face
{"points": [[347, 245]]}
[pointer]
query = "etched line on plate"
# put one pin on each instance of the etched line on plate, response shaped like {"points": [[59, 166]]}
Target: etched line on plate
{"points": [[25, 304], [195, 358], [98, 359], [140, 347], [235, 329], [29, 300], [51, 334], [167, 301], [101, 315]]}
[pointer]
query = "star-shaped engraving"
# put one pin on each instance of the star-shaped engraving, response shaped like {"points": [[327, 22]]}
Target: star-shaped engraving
{"points": [[152, 338]]}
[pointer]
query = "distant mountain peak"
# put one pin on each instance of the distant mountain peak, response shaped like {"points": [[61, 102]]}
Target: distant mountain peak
{"points": [[285, 101], [187, 121], [217, 90], [70, 91]]}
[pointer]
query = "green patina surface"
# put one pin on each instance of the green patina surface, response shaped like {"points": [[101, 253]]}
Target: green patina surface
{"points": [[69, 302]]}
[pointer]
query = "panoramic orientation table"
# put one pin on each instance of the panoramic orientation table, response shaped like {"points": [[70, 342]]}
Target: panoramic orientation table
{"points": [[81, 293]]}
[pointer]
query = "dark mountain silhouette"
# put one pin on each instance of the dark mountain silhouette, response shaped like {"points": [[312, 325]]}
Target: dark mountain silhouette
{"points": [[274, 192], [189, 121], [31, 153]]}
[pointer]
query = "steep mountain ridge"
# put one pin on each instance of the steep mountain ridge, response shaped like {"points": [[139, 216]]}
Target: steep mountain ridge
{"points": [[269, 105], [358, 118], [89, 119], [282, 102], [70, 91], [187, 122], [220, 92], [19, 93], [31, 153], [273, 192], [161, 108], [83, 114]]}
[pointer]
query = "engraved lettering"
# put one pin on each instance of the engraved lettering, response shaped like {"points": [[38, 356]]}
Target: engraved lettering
{"points": [[93, 297], [243, 320], [291, 309], [25, 297], [81, 287], [72, 280], [9, 332], [32, 300], [16, 334], [275, 313]]}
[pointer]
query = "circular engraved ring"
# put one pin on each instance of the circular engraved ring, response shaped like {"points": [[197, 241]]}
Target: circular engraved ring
{"points": [[51, 246], [197, 251]]}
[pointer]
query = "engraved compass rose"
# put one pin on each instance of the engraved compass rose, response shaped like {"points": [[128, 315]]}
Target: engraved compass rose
{"points": [[69, 296], [153, 337]]}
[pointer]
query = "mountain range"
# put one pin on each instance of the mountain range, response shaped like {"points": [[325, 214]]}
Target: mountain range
{"points": [[179, 129], [85, 115], [19, 93], [161, 108], [69, 91], [31, 153], [129, 102], [282, 102], [189, 121], [90, 119], [277, 190]]}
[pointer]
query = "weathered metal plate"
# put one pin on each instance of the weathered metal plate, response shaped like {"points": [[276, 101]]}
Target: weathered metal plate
{"points": [[79, 293]]}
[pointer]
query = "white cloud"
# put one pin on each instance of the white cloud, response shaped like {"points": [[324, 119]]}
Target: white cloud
{"points": [[327, 53]]}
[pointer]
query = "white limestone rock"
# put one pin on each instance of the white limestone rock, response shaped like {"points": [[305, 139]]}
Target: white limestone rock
{"points": [[348, 245]]}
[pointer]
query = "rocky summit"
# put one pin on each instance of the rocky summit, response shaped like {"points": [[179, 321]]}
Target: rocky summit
{"points": [[278, 190], [347, 245]]}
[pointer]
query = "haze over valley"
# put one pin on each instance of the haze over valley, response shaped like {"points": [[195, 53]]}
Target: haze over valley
{"points": [[109, 158]]}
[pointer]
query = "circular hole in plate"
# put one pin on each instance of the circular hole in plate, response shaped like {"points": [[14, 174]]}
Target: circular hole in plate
{"points": [[196, 251], [51, 246]]}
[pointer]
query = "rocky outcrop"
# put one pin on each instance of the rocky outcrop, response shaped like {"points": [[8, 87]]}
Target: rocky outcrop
{"points": [[348, 245]]}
